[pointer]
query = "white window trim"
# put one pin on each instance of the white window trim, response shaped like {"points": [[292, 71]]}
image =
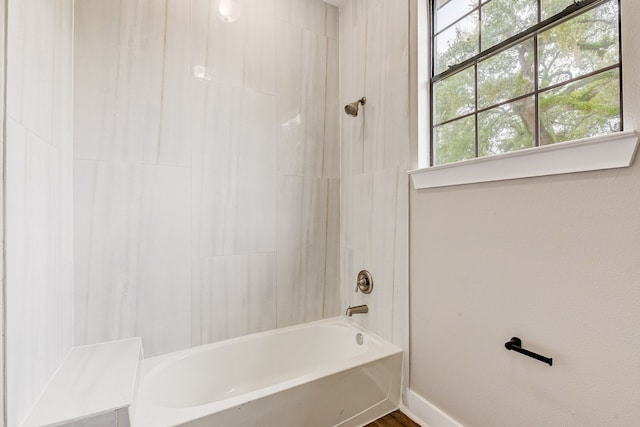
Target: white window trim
{"points": [[616, 150]]}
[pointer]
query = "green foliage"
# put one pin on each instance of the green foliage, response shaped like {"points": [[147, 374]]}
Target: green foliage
{"points": [[505, 128], [454, 96], [455, 140], [580, 108], [502, 19], [584, 108]]}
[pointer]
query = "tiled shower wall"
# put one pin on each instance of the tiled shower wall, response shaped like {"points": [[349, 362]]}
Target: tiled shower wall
{"points": [[39, 216], [3, 12], [206, 169], [374, 161]]}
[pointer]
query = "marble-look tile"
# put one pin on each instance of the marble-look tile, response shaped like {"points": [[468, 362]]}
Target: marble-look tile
{"points": [[345, 24], [62, 82], [95, 74], [302, 240], [210, 94], [38, 211], [290, 130], [374, 219], [30, 53], [21, 398], [132, 241], [352, 76], [233, 296], [176, 108], [39, 318], [2, 206], [313, 93], [347, 280], [91, 380], [374, 157], [301, 58], [400, 331], [109, 419], [332, 306], [346, 208], [62, 139], [283, 10], [119, 69], [359, 12], [138, 84], [234, 174], [3, 54], [331, 155], [355, 47], [308, 14], [345, 41], [260, 46], [351, 144], [401, 259], [217, 47], [387, 69], [332, 22], [2, 301]]}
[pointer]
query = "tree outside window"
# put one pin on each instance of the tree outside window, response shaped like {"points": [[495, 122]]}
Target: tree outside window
{"points": [[514, 74]]}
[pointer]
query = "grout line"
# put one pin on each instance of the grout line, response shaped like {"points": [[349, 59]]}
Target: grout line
{"points": [[364, 80], [162, 79], [72, 145], [324, 124], [326, 245]]}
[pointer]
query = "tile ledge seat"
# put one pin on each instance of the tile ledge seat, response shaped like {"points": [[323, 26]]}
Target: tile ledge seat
{"points": [[94, 381], [616, 150]]}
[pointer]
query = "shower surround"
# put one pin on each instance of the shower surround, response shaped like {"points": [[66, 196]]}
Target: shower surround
{"points": [[200, 197], [206, 170], [374, 232]]}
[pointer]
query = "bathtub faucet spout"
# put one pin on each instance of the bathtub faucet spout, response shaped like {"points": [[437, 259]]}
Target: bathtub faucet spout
{"points": [[358, 309]]}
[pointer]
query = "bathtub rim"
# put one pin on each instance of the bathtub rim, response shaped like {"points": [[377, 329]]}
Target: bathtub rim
{"points": [[182, 415]]}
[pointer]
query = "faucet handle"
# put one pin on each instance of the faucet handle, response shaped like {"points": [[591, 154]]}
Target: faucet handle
{"points": [[364, 282]]}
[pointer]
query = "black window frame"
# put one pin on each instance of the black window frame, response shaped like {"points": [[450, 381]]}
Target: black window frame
{"points": [[577, 8]]}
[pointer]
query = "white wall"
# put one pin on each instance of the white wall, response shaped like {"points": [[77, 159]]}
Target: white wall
{"points": [[374, 161], [552, 260], [39, 203], [205, 209]]}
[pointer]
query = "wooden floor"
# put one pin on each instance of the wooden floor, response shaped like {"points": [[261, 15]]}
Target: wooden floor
{"points": [[394, 419]]}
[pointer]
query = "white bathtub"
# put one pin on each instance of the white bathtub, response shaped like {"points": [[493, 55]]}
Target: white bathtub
{"points": [[308, 375]]}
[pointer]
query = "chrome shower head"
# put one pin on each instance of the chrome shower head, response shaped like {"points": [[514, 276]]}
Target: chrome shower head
{"points": [[352, 109]]}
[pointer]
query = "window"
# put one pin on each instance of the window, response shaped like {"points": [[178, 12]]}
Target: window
{"points": [[514, 74]]}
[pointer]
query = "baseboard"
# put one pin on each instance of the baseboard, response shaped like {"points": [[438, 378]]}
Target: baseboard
{"points": [[426, 413]]}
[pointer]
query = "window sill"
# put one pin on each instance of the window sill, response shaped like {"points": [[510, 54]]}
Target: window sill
{"points": [[611, 151]]}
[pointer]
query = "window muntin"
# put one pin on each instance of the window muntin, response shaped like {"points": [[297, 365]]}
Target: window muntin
{"points": [[552, 7], [552, 82], [451, 11], [461, 147], [456, 43], [576, 118], [454, 96], [513, 133], [506, 75], [521, 14], [580, 46]]}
